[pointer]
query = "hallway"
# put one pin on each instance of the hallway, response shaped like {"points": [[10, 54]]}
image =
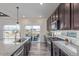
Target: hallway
{"points": [[38, 49]]}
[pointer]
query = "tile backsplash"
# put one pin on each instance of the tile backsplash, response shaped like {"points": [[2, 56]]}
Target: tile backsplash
{"points": [[72, 34], [69, 33], [64, 33]]}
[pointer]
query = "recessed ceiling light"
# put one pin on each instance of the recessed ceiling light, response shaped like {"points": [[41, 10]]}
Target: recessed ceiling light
{"points": [[41, 3], [23, 16], [40, 16]]}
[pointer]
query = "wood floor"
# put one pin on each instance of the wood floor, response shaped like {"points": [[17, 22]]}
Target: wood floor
{"points": [[39, 49]]}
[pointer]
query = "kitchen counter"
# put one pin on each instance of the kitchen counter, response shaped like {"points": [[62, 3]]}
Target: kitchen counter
{"points": [[69, 49], [9, 49]]}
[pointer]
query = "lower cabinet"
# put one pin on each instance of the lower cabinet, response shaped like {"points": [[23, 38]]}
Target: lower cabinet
{"points": [[19, 52], [49, 46], [58, 52], [61, 53], [55, 50], [27, 46], [45, 40], [23, 50]]}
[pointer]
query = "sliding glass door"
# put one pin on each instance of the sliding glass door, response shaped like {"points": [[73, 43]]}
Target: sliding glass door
{"points": [[33, 31]]}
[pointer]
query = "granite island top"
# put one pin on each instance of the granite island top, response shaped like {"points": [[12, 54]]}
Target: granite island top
{"points": [[69, 49], [9, 49]]}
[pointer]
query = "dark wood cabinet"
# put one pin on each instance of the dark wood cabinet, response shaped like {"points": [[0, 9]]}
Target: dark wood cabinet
{"points": [[64, 16], [56, 14], [75, 15], [67, 19], [67, 16], [61, 53], [27, 46], [53, 17], [19, 51], [61, 16], [49, 24], [23, 50], [57, 51]]}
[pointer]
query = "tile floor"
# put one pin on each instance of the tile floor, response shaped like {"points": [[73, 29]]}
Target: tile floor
{"points": [[39, 49]]}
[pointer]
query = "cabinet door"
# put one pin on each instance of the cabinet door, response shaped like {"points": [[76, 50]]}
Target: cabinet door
{"points": [[61, 16], [56, 15], [75, 16], [55, 50], [67, 23], [72, 16], [19, 52], [61, 53], [49, 24]]}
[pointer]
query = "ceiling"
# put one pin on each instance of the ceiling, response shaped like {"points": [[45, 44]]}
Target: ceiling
{"points": [[28, 10]]}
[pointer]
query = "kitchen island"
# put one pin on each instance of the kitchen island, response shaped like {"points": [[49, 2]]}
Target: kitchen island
{"points": [[11, 49]]}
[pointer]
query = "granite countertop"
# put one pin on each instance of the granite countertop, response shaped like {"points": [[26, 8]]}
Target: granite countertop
{"points": [[69, 49], [9, 49]]}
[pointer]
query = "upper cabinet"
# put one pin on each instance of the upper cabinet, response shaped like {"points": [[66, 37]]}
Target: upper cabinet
{"points": [[66, 16], [53, 17], [49, 24], [75, 15], [56, 14], [67, 19], [61, 16]]}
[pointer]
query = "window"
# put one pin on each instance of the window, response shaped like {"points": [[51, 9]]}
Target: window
{"points": [[33, 30], [10, 33]]}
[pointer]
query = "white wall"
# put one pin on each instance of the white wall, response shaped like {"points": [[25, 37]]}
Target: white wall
{"points": [[23, 22]]}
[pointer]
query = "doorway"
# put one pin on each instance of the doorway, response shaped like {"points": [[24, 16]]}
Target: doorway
{"points": [[33, 31]]}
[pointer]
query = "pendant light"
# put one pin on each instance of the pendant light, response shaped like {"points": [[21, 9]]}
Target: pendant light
{"points": [[17, 24], [17, 18], [17, 15]]}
